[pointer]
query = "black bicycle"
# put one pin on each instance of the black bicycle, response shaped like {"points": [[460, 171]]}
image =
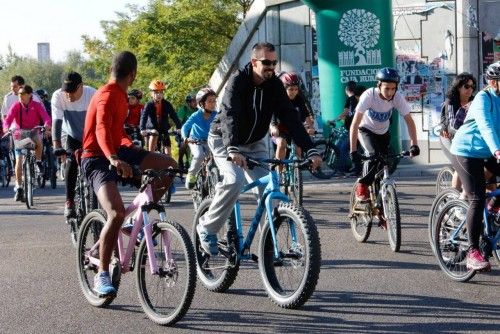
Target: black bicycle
{"points": [[330, 151], [6, 162], [383, 203], [85, 198], [206, 178], [49, 166]]}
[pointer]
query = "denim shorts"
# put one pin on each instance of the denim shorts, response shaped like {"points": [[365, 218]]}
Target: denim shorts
{"points": [[96, 169]]}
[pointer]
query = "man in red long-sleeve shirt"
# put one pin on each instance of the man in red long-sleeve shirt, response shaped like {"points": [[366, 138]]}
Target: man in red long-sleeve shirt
{"points": [[105, 142]]}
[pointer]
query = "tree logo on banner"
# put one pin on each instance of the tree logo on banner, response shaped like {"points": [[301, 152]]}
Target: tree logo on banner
{"points": [[359, 29]]}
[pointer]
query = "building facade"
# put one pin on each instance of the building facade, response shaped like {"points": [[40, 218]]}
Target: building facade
{"points": [[434, 40]]}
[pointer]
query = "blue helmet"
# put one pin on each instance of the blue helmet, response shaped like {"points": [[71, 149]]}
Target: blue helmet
{"points": [[387, 74]]}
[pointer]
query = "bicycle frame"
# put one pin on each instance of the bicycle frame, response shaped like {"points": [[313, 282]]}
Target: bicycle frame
{"points": [[487, 229], [265, 204], [141, 204]]}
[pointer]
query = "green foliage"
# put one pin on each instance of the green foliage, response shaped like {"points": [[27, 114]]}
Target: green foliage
{"points": [[180, 42]]}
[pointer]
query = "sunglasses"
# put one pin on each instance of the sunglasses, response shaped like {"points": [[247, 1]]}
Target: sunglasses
{"points": [[267, 62], [467, 86]]}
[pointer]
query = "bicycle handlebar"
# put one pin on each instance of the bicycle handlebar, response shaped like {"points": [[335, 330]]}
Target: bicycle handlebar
{"points": [[390, 156], [251, 163]]}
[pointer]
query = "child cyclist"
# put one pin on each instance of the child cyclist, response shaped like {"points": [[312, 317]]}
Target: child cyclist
{"points": [[371, 126], [196, 128], [156, 116], [133, 119], [279, 132]]}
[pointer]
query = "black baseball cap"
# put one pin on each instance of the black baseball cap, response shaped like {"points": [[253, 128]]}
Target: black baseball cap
{"points": [[71, 81]]}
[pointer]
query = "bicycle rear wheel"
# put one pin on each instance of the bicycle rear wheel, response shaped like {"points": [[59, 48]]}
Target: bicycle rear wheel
{"points": [[166, 296], [217, 272], [291, 278], [90, 231], [443, 180], [393, 217], [360, 218], [437, 205], [451, 243]]}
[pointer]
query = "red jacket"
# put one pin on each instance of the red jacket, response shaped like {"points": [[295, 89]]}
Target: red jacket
{"points": [[104, 133]]}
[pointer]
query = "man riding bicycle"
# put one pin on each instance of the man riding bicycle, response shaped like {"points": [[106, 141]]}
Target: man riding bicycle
{"points": [[371, 125], [69, 107], [105, 143], [253, 94]]}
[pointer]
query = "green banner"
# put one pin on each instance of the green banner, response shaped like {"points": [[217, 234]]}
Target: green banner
{"points": [[355, 39]]}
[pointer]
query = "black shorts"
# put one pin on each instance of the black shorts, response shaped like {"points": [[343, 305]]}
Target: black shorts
{"points": [[96, 169], [164, 139]]}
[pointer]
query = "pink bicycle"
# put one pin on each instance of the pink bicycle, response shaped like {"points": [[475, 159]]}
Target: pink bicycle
{"points": [[165, 265]]}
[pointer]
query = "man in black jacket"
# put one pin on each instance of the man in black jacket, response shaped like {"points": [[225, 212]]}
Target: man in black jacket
{"points": [[252, 95]]}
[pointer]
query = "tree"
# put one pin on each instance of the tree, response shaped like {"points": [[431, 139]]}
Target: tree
{"points": [[179, 41]]}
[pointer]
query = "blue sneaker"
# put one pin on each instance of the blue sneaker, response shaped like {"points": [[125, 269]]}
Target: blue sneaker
{"points": [[207, 241], [103, 286]]}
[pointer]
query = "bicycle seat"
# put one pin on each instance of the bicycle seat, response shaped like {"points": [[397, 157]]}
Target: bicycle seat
{"points": [[26, 143]]}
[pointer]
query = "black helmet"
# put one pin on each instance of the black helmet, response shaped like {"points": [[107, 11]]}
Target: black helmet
{"points": [[135, 92], [387, 74], [493, 71], [42, 93]]}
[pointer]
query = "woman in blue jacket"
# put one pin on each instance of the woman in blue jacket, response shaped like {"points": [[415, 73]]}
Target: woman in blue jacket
{"points": [[195, 132], [476, 146]]}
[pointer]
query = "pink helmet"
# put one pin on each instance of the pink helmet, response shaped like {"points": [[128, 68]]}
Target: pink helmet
{"points": [[290, 79]]}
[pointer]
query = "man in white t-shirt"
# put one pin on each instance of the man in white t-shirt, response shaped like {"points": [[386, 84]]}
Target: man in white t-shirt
{"points": [[371, 125], [16, 82], [69, 107]]}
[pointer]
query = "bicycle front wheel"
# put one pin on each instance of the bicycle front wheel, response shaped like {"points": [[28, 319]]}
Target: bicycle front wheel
{"points": [[90, 232], [165, 296], [28, 170], [393, 217], [444, 178], [437, 205], [450, 238], [291, 278]]}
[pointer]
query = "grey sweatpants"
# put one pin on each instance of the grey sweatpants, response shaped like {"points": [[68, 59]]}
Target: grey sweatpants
{"points": [[233, 179]]}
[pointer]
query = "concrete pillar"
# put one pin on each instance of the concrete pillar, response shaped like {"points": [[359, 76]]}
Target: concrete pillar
{"points": [[467, 37]]}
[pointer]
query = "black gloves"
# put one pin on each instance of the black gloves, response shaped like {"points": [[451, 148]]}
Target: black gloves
{"points": [[355, 157], [414, 150]]}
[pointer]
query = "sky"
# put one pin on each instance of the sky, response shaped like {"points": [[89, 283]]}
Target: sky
{"points": [[58, 22]]}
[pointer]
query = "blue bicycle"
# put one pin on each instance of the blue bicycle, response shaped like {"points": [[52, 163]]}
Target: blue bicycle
{"points": [[289, 253], [451, 242]]}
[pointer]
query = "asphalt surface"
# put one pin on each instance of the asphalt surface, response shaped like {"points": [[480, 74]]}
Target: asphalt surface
{"points": [[363, 288]]}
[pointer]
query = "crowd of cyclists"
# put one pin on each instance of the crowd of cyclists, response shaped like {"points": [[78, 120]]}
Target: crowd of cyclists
{"points": [[257, 103]]}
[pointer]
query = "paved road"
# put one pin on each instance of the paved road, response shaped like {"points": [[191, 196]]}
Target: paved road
{"points": [[363, 288]]}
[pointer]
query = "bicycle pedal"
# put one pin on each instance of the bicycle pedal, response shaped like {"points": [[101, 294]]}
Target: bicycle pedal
{"points": [[254, 258]]}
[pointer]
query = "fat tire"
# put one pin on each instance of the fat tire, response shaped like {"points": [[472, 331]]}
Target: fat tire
{"points": [[311, 247], [223, 281]]}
